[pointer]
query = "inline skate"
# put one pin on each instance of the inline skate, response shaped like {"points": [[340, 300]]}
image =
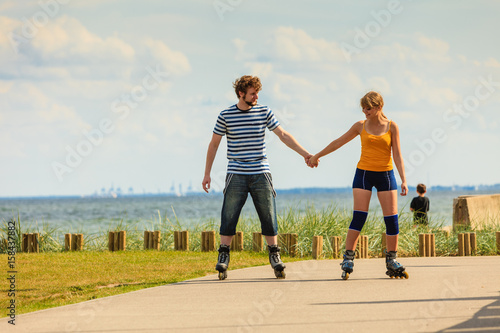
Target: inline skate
{"points": [[276, 263], [348, 264], [223, 261], [394, 268]]}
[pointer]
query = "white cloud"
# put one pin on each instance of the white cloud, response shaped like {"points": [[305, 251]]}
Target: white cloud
{"points": [[296, 45], [174, 62]]}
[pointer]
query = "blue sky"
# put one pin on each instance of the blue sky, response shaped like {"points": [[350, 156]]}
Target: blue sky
{"points": [[101, 93]]}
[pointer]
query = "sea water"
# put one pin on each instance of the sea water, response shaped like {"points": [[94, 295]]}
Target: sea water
{"points": [[92, 215]]}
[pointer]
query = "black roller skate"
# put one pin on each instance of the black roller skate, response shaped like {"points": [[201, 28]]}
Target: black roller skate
{"points": [[223, 261], [394, 268], [348, 264], [276, 263]]}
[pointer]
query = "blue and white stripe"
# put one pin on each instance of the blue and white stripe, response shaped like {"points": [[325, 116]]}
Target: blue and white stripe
{"points": [[245, 130]]}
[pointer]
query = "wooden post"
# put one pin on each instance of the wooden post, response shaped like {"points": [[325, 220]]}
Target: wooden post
{"points": [[317, 247], [365, 240], [204, 241], [461, 246], [185, 240], [292, 246], [384, 243], [156, 239], [79, 242], [176, 240], [428, 245], [151, 240], [122, 236], [433, 245], [282, 242], [498, 241], [146, 239], [116, 241], [24, 243], [473, 243], [363, 247], [111, 241], [73, 242], [257, 242], [36, 242], [208, 241], [237, 242], [30, 242], [335, 242], [467, 243], [421, 245], [67, 242]]}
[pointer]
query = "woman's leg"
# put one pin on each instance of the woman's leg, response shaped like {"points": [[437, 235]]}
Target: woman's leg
{"points": [[361, 204], [389, 203]]}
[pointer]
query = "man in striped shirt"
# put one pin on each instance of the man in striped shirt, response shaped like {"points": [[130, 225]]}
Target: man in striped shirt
{"points": [[248, 171]]}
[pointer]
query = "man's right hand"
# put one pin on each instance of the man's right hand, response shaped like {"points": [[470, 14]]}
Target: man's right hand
{"points": [[206, 183]]}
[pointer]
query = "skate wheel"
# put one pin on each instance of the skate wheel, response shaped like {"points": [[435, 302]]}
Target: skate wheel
{"points": [[406, 275], [280, 274], [222, 275], [391, 276], [345, 275]]}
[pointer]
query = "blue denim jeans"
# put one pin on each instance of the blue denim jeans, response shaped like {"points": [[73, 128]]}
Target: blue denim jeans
{"points": [[263, 195]]}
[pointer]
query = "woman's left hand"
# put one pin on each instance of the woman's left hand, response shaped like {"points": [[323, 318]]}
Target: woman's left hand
{"points": [[404, 189]]}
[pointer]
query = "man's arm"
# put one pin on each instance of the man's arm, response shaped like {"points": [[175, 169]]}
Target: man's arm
{"points": [[290, 141], [211, 152]]}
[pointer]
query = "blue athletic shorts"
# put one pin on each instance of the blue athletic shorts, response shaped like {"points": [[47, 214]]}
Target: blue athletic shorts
{"points": [[383, 180]]}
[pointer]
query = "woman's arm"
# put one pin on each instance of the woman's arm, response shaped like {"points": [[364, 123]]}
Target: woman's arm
{"points": [[337, 143], [398, 159]]}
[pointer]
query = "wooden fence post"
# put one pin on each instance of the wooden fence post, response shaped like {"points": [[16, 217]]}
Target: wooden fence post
{"points": [[257, 242], [237, 242], [146, 239], [383, 242], [498, 241], [79, 242], [156, 239], [181, 240], [67, 242], [292, 241], [335, 242], [317, 247], [363, 247], [461, 246]]}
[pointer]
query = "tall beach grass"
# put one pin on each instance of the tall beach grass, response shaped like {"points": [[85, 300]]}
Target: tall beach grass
{"points": [[331, 221]]}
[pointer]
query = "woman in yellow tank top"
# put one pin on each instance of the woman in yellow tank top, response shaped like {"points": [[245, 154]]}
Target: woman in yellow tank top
{"points": [[379, 138]]}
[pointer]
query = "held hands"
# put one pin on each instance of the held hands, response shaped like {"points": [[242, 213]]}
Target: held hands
{"points": [[312, 161]]}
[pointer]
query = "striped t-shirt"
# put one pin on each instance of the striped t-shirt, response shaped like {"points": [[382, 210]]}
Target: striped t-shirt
{"points": [[246, 148]]}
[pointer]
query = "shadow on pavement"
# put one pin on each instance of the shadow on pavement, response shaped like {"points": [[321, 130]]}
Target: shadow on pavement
{"points": [[487, 319]]}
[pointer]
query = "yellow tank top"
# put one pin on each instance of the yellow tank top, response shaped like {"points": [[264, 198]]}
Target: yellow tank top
{"points": [[375, 151]]}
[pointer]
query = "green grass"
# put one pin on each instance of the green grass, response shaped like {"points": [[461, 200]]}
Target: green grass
{"points": [[51, 279]]}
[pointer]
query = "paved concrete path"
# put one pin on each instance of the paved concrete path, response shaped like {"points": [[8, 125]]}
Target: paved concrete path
{"points": [[447, 294]]}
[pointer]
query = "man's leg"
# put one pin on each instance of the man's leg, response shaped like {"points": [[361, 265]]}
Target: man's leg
{"points": [[235, 196], [263, 197]]}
